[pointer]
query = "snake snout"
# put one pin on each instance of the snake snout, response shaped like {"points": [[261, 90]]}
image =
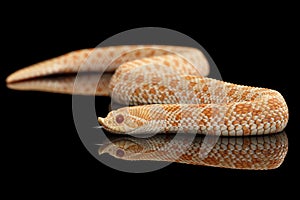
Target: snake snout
{"points": [[110, 125], [101, 121], [105, 123]]}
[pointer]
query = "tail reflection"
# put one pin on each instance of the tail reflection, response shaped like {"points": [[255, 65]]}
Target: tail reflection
{"points": [[87, 84], [255, 153]]}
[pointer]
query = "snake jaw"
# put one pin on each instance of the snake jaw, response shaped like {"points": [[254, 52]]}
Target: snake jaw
{"points": [[118, 121], [109, 126], [123, 121]]}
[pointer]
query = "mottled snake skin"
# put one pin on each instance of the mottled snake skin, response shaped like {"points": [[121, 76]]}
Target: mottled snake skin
{"points": [[170, 79], [253, 153]]}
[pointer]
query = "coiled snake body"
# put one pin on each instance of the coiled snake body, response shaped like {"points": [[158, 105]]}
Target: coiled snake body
{"points": [[170, 79]]}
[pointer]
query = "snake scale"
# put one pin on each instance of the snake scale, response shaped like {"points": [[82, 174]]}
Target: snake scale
{"points": [[171, 81]]}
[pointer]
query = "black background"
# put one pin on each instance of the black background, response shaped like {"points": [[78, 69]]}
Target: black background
{"points": [[251, 46]]}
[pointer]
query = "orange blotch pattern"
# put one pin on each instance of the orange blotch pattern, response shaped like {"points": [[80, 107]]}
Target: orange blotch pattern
{"points": [[243, 108]]}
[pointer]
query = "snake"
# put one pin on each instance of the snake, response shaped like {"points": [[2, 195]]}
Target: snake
{"points": [[249, 153], [166, 90]]}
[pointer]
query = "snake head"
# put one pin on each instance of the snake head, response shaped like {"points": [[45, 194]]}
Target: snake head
{"points": [[121, 121], [123, 148]]}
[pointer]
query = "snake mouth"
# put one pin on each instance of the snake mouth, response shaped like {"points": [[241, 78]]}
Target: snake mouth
{"points": [[101, 121]]}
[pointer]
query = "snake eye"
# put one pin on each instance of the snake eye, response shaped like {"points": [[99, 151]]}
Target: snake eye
{"points": [[119, 119], [120, 153]]}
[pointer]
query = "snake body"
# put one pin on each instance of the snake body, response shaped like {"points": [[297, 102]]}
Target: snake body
{"points": [[254, 153], [171, 80]]}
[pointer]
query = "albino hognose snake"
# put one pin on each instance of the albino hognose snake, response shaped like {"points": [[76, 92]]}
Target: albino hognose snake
{"points": [[171, 80]]}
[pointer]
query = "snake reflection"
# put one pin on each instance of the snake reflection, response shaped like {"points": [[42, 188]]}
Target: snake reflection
{"points": [[65, 84], [252, 153]]}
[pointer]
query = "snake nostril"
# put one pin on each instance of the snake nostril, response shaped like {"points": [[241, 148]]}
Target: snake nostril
{"points": [[119, 119]]}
